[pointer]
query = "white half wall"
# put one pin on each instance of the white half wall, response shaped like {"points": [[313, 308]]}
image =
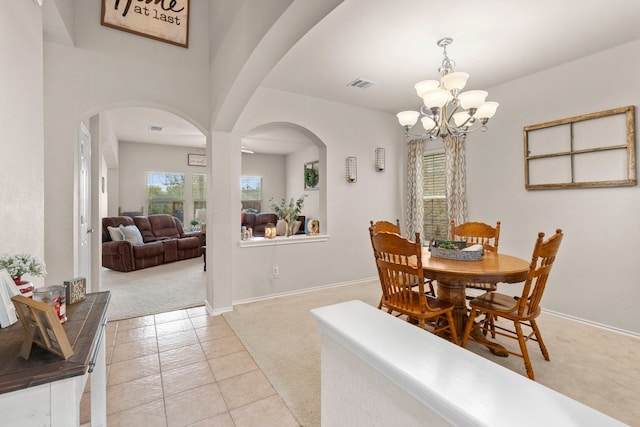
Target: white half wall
{"points": [[379, 370]]}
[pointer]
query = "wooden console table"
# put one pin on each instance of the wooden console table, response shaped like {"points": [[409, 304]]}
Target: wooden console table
{"points": [[46, 389]]}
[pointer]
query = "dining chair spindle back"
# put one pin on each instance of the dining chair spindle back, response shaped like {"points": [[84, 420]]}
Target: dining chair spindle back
{"points": [[387, 226], [522, 310], [478, 233], [399, 263]]}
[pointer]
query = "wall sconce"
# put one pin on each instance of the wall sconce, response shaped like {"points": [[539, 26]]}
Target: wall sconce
{"points": [[351, 169], [269, 231], [379, 161]]}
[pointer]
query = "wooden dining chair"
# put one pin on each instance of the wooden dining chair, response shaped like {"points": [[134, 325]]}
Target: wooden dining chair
{"points": [[399, 263], [478, 233], [522, 310], [389, 227], [385, 226]]}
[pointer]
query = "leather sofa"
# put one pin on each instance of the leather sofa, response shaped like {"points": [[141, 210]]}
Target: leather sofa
{"points": [[146, 241], [258, 221]]}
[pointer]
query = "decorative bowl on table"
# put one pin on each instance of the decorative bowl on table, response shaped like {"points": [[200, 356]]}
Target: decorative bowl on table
{"points": [[455, 250]]}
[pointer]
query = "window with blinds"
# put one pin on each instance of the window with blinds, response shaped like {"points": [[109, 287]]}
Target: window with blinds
{"points": [[435, 197]]}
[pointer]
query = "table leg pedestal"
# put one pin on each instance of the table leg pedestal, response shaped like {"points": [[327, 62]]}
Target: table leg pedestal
{"points": [[454, 292]]}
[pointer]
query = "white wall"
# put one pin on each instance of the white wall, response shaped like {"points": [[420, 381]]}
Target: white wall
{"points": [[346, 257], [597, 275], [109, 68], [295, 181], [252, 38], [21, 126], [136, 159], [271, 167], [108, 151]]}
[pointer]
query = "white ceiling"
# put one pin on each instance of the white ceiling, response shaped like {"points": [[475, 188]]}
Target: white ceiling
{"points": [[393, 43], [134, 124]]}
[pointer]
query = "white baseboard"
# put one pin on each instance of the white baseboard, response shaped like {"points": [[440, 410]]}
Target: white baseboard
{"points": [[302, 291], [591, 323], [216, 312]]}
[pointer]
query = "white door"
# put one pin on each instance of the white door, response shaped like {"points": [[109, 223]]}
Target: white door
{"points": [[84, 205]]}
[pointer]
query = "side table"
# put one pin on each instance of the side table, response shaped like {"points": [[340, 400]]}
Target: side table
{"points": [[46, 389]]}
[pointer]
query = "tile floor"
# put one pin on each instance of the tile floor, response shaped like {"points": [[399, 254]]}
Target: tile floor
{"points": [[184, 368]]}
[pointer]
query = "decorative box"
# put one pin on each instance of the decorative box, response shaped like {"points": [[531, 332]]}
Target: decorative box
{"points": [[76, 289], [455, 254]]}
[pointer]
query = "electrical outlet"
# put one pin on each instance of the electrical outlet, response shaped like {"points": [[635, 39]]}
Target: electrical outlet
{"points": [[275, 271]]}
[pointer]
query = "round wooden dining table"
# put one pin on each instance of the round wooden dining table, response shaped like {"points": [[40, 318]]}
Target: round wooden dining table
{"points": [[453, 275]]}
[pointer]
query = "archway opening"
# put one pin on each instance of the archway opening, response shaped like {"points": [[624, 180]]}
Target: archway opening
{"points": [[132, 144], [278, 154]]}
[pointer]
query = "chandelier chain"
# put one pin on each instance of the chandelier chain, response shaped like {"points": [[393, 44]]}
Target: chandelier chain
{"points": [[448, 64]]}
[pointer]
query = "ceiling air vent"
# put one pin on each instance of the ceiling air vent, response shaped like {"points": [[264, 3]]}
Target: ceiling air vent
{"points": [[361, 83]]}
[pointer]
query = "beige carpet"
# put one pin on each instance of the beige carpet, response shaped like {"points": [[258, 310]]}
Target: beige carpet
{"points": [[154, 290], [596, 367]]}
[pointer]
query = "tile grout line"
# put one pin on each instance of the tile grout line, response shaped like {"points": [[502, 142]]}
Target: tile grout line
{"points": [[201, 340]]}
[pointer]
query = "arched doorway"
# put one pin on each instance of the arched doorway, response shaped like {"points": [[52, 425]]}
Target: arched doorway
{"points": [[130, 143]]}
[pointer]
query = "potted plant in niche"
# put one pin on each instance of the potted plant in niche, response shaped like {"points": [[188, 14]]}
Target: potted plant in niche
{"points": [[310, 177], [288, 211]]}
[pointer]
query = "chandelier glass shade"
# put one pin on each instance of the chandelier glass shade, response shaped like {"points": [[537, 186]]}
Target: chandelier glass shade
{"points": [[446, 110]]}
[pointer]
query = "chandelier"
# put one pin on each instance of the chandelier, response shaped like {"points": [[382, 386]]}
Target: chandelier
{"points": [[446, 110]]}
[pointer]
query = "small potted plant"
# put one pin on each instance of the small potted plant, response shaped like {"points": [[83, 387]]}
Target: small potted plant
{"points": [[194, 224], [21, 264], [288, 211]]}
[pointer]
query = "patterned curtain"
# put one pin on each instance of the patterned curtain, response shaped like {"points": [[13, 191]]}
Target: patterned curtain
{"points": [[454, 152], [415, 208]]}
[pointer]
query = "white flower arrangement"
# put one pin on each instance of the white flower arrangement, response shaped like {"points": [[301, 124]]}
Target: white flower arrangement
{"points": [[21, 264]]}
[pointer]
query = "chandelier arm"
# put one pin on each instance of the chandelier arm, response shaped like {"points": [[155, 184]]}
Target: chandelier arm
{"points": [[449, 117], [443, 117], [427, 112]]}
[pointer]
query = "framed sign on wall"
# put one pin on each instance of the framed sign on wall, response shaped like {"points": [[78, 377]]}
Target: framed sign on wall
{"points": [[164, 20], [197, 160]]}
